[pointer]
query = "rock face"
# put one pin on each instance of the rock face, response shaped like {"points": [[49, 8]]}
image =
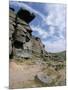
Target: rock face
{"points": [[12, 16], [21, 41], [37, 46]]}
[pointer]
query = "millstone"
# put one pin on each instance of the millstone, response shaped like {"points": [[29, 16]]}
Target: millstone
{"points": [[44, 78]]}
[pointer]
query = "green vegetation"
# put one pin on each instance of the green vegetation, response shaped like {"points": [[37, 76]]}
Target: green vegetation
{"points": [[60, 55]]}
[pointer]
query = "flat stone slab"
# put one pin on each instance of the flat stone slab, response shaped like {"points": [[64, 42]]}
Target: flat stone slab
{"points": [[44, 78]]}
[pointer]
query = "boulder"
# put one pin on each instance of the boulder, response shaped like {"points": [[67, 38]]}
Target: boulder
{"points": [[25, 15], [44, 78]]}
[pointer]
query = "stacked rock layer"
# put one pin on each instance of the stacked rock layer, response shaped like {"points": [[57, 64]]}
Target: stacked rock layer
{"points": [[21, 42]]}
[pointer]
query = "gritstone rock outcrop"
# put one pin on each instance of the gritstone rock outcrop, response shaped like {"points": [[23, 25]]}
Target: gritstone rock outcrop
{"points": [[21, 42]]}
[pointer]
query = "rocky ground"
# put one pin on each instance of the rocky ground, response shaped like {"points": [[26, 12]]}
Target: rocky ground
{"points": [[34, 73]]}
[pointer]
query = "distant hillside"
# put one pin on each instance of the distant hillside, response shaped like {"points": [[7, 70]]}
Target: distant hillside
{"points": [[60, 55]]}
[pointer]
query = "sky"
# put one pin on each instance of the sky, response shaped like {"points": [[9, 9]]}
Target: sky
{"points": [[49, 23]]}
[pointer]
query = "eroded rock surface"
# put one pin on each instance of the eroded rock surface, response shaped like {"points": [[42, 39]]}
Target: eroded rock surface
{"points": [[22, 43]]}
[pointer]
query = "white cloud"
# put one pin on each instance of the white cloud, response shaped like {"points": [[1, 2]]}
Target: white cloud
{"points": [[41, 32], [56, 46], [56, 16], [56, 19], [51, 30]]}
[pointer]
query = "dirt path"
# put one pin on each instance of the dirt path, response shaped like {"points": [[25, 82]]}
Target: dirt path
{"points": [[22, 73]]}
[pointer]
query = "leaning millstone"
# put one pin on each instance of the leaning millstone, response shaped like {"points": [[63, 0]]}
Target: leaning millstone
{"points": [[20, 34], [44, 78]]}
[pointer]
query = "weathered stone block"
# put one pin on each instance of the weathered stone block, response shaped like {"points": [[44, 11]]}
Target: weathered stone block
{"points": [[23, 53], [25, 15]]}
